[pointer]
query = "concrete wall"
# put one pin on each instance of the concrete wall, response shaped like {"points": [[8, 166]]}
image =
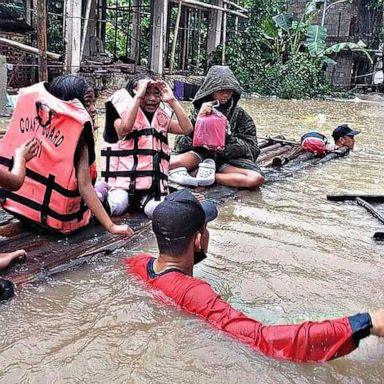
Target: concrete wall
{"points": [[341, 24]]}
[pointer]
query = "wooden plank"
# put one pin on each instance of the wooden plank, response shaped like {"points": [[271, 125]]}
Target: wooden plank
{"points": [[270, 148], [353, 197]]}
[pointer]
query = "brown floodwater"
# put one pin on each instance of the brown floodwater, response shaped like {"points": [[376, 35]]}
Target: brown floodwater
{"points": [[282, 255]]}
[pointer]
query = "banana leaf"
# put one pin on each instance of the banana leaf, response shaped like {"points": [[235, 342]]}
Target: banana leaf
{"points": [[315, 42], [270, 30], [284, 21], [360, 46], [313, 6]]}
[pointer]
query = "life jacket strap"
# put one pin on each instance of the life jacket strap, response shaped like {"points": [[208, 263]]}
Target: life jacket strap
{"points": [[146, 132], [39, 207], [43, 180]]}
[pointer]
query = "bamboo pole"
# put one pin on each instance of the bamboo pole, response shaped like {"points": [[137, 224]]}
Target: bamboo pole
{"points": [[27, 48], [172, 59], [236, 5], [199, 4], [42, 39]]}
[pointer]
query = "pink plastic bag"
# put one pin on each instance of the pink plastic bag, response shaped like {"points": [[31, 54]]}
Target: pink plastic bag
{"points": [[210, 131]]}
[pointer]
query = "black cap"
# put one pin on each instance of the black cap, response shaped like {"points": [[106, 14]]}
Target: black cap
{"points": [[343, 130], [181, 215]]}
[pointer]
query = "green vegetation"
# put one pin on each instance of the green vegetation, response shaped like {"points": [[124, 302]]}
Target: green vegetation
{"points": [[277, 55]]}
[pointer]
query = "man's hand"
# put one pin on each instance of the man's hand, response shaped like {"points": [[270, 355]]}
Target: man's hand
{"points": [[125, 230], [28, 150], [378, 323]]}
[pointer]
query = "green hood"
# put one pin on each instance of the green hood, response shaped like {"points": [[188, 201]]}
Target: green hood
{"points": [[218, 78]]}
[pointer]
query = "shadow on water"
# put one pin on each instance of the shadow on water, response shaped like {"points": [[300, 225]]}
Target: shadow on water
{"points": [[282, 254]]}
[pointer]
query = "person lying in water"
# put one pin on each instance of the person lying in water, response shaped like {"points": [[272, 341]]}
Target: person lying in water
{"points": [[57, 193], [235, 163], [180, 226], [343, 136], [12, 180]]}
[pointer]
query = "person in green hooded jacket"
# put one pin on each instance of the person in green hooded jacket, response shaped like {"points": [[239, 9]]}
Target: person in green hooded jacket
{"points": [[236, 162]]}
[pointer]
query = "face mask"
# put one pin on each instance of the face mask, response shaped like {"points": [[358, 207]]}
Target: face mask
{"points": [[199, 256]]}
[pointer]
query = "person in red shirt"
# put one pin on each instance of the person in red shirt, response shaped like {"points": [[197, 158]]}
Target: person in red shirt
{"points": [[180, 226]]}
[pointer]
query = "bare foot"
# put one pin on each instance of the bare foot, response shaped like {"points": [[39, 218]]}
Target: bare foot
{"points": [[7, 258]]}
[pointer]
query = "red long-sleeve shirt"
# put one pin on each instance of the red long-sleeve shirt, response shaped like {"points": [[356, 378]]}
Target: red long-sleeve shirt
{"points": [[305, 342]]}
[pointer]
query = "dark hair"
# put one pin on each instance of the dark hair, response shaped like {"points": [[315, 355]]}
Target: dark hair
{"points": [[69, 87], [173, 247], [131, 85]]}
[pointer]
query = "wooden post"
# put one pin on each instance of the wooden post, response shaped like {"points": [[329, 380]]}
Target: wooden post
{"points": [[199, 17], [184, 26], [224, 41], [175, 34], [135, 39], [214, 30], [90, 4], [72, 35], [92, 29], [159, 23], [42, 39]]}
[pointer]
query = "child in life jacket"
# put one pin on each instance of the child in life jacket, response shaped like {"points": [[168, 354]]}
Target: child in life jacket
{"points": [[58, 191], [135, 154], [12, 180]]}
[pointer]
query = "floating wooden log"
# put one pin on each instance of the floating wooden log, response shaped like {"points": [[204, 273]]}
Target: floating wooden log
{"points": [[370, 209], [270, 148], [271, 154], [281, 140], [333, 155], [279, 161], [353, 197], [378, 236]]}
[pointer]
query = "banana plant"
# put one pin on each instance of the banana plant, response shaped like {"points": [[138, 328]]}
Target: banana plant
{"points": [[316, 44], [287, 37]]}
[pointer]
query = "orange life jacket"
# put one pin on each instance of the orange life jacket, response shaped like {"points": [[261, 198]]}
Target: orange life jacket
{"points": [[49, 194], [140, 161]]}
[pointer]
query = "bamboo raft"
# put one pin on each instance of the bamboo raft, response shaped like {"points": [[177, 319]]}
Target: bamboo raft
{"points": [[49, 253]]}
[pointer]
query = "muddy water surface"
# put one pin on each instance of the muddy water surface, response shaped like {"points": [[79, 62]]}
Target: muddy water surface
{"points": [[283, 254]]}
